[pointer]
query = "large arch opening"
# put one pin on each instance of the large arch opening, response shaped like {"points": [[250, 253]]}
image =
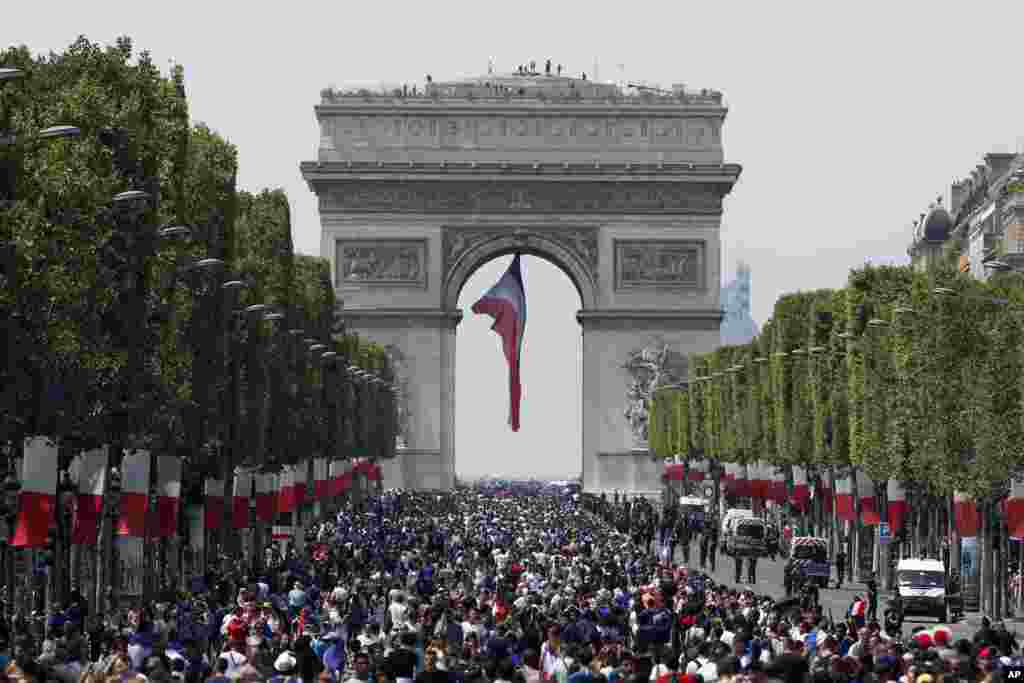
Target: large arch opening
{"points": [[549, 442]]}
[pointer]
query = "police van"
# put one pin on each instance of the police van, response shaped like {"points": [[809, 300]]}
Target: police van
{"points": [[922, 587], [744, 534]]}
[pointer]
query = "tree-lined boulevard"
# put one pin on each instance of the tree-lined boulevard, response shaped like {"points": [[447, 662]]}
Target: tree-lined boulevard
{"points": [[150, 305], [895, 399]]}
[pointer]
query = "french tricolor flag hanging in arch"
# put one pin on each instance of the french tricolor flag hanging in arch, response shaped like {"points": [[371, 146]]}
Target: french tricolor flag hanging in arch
{"points": [[506, 303]]}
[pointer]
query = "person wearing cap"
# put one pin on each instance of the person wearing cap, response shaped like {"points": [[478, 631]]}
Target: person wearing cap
{"points": [[285, 665]]}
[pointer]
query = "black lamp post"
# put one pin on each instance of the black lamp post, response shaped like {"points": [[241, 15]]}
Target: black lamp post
{"points": [[57, 557], [109, 589], [11, 494]]}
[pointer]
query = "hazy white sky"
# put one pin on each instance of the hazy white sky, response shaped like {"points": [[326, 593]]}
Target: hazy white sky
{"points": [[847, 117]]}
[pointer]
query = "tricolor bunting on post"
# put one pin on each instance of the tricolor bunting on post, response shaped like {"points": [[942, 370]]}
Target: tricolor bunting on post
{"points": [[38, 498], [92, 485], [135, 467]]}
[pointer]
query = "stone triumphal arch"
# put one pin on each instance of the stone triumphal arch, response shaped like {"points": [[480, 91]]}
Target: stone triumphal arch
{"points": [[623, 191]]}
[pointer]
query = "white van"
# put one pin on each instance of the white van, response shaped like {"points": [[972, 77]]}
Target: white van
{"points": [[732, 514], [743, 533], [922, 587]]}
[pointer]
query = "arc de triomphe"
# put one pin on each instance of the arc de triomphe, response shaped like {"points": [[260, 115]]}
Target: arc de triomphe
{"points": [[419, 188]]}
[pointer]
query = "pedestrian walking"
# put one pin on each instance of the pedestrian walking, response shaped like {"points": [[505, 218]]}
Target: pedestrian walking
{"points": [[713, 548], [840, 567], [872, 586], [682, 536]]}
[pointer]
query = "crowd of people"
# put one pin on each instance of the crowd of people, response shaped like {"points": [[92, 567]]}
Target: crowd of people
{"points": [[464, 587]]}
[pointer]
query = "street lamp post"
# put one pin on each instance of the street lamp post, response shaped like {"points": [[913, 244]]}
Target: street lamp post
{"points": [[11, 493], [106, 545]]}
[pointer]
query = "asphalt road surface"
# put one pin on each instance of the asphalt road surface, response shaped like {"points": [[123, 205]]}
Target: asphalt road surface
{"points": [[834, 601]]}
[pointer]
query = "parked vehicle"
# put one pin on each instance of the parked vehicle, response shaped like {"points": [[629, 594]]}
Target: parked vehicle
{"points": [[732, 514], [921, 585], [694, 509], [744, 535], [809, 555]]}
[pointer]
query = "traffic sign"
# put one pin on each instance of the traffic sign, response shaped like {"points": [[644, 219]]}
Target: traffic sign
{"points": [[884, 533]]}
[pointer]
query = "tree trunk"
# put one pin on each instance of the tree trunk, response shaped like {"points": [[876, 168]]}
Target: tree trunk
{"points": [[985, 560]]}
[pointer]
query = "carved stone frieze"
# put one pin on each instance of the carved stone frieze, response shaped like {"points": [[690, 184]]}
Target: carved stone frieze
{"points": [[400, 366], [649, 368], [525, 196], [382, 262], [580, 241], [659, 263]]}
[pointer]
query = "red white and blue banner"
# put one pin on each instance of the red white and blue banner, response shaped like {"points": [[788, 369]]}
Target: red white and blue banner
{"points": [[506, 303], [897, 504], [92, 485], [213, 514], [320, 479], [135, 468], [801, 496], [844, 499], [38, 498], [1015, 509], [869, 513], [168, 499], [965, 514]]}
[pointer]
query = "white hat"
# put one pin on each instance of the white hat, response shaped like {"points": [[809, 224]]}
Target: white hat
{"points": [[285, 663]]}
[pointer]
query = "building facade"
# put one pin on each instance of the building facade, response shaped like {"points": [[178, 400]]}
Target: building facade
{"points": [[622, 190], [984, 222]]}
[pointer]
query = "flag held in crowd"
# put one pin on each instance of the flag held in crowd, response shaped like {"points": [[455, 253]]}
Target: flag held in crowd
{"points": [[506, 303], [37, 501]]}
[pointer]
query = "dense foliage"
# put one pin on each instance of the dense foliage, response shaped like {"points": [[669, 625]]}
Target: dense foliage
{"points": [[115, 334], [907, 375]]}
